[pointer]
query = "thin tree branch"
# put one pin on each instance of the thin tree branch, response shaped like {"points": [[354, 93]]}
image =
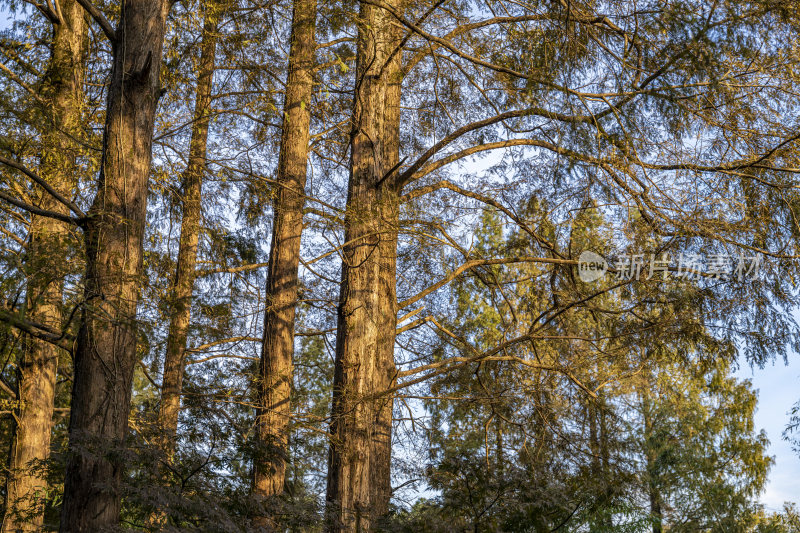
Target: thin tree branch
{"points": [[222, 356], [223, 341], [232, 270]]}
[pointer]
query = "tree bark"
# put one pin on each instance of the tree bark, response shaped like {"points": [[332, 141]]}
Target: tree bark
{"points": [[651, 457], [62, 89], [106, 348], [360, 451], [276, 366], [386, 371], [185, 274]]}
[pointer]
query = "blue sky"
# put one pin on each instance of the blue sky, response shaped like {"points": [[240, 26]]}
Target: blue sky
{"points": [[778, 389]]}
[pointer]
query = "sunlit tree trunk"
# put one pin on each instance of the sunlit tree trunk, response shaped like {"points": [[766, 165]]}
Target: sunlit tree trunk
{"points": [[276, 367], [385, 370], [185, 274], [46, 257], [360, 452], [183, 283], [106, 348]]}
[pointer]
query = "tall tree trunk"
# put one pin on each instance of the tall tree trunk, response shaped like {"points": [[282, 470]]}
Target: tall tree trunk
{"points": [[276, 367], [62, 89], [651, 457], [386, 371], [605, 458], [106, 349], [183, 283], [186, 273], [360, 449]]}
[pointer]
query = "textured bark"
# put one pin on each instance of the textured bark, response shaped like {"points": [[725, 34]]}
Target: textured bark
{"points": [[386, 371], [62, 88], [106, 349], [183, 283], [360, 449], [276, 366]]}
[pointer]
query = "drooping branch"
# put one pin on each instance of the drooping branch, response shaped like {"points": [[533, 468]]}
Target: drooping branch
{"points": [[476, 263], [221, 356], [51, 11], [472, 150], [208, 345], [444, 184], [16, 79], [442, 367], [602, 20], [445, 43], [407, 174], [40, 212], [46, 186], [101, 20], [61, 339]]}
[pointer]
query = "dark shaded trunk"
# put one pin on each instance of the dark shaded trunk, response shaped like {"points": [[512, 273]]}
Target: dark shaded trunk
{"points": [[185, 274], [360, 452], [655, 509], [500, 459], [605, 460], [106, 349], [46, 257], [276, 367], [651, 456], [599, 465]]}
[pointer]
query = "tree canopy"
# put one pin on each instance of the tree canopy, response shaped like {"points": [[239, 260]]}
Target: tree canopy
{"points": [[395, 265]]}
